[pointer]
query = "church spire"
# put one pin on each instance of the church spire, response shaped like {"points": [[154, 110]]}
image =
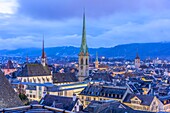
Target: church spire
{"points": [[137, 55], [96, 62], [96, 56], [84, 48], [27, 59], [43, 57], [83, 55], [43, 53]]}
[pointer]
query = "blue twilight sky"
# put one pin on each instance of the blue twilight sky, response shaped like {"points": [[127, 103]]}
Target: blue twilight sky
{"points": [[108, 22]]}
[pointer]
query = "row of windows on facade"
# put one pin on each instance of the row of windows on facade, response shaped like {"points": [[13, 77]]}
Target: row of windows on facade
{"points": [[30, 96], [106, 94], [91, 98], [35, 81], [88, 99]]}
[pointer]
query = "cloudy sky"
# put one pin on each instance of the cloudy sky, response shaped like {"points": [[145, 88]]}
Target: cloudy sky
{"points": [[108, 22]]}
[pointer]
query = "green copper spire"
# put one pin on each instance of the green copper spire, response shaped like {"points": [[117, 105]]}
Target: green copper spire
{"points": [[84, 47]]}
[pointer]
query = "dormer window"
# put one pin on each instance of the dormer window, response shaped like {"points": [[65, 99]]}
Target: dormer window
{"points": [[135, 100]]}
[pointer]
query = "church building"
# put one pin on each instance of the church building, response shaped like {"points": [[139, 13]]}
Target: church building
{"points": [[36, 72]]}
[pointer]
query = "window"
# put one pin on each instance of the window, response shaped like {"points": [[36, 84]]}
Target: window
{"points": [[75, 108], [65, 93], [86, 62], [82, 61], [115, 95], [135, 101], [87, 98]]}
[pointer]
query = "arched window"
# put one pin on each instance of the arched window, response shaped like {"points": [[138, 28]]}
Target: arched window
{"points": [[82, 61], [86, 62]]}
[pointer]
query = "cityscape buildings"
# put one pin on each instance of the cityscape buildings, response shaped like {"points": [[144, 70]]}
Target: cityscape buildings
{"points": [[85, 83]]}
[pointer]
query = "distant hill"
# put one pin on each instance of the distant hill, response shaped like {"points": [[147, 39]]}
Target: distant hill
{"points": [[127, 51]]}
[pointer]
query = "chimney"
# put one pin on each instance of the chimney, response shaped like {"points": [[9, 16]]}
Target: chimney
{"points": [[74, 97]]}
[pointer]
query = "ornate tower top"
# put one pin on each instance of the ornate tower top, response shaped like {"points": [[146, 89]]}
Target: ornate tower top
{"points": [[84, 48]]}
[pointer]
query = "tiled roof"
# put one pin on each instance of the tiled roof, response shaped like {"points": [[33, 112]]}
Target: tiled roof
{"points": [[145, 99], [61, 102], [8, 97], [64, 77], [9, 65], [103, 91], [109, 107], [102, 77], [34, 70], [34, 108]]}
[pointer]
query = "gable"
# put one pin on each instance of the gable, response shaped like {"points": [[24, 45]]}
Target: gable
{"points": [[135, 98]]}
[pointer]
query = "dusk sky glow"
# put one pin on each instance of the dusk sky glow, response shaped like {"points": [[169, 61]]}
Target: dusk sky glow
{"points": [[108, 22]]}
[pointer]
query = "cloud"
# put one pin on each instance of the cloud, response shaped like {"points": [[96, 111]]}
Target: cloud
{"points": [[64, 9], [8, 6], [108, 22]]}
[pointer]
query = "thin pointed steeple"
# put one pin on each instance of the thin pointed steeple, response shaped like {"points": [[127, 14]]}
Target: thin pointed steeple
{"points": [[137, 55], [43, 53], [96, 56], [43, 57], [83, 55], [96, 62], [84, 48], [27, 58]]}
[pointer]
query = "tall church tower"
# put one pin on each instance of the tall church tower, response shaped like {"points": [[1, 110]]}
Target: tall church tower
{"points": [[43, 57], [97, 62], [137, 61], [83, 55]]}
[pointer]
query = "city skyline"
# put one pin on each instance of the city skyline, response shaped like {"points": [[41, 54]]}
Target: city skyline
{"points": [[108, 23]]}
